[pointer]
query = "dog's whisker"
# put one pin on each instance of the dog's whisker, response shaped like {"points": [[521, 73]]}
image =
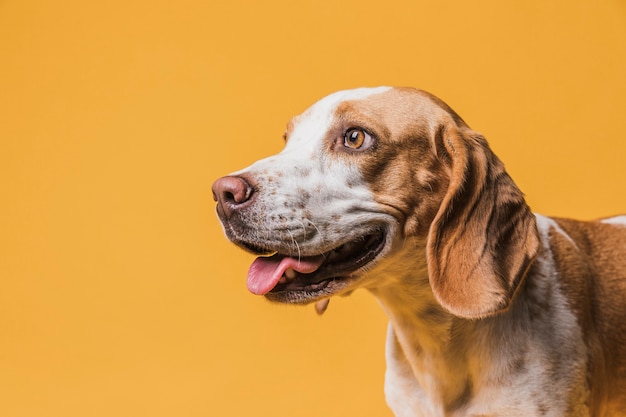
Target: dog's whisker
{"points": [[295, 243], [303, 229], [319, 233]]}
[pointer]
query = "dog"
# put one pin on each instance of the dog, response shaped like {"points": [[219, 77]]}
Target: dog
{"points": [[493, 310]]}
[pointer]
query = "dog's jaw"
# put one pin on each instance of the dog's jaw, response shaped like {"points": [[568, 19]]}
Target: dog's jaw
{"points": [[313, 211]]}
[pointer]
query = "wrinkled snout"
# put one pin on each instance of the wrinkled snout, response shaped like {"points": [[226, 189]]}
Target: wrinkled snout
{"points": [[231, 193]]}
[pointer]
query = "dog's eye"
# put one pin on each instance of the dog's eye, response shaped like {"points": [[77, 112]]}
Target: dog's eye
{"points": [[356, 138]]}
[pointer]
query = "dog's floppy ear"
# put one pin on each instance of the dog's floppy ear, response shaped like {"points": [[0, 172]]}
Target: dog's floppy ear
{"points": [[484, 236]]}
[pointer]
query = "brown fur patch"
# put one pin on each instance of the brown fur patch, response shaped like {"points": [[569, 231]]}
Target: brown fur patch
{"points": [[593, 277], [441, 179]]}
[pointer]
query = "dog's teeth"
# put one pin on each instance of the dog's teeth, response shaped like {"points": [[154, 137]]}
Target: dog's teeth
{"points": [[290, 273]]}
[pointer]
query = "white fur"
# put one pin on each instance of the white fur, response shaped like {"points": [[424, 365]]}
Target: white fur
{"points": [[301, 176], [545, 224], [618, 220]]}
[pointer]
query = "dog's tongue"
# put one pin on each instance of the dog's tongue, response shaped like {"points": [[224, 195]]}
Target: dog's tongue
{"points": [[265, 272]]}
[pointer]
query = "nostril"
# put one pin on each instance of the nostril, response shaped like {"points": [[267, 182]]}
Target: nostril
{"points": [[230, 192], [230, 197]]}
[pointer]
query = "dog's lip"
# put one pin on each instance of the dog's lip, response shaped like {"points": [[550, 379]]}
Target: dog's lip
{"points": [[338, 265]]}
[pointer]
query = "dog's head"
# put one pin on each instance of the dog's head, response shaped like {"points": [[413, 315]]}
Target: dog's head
{"points": [[365, 174]]}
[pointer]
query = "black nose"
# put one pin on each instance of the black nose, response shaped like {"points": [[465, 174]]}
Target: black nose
{"points": [[231, 193]]}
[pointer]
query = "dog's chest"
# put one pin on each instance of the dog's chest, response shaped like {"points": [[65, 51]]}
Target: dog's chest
{"points": [[491, 389], [502, 366]]}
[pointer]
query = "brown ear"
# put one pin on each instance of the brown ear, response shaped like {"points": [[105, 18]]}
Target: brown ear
{"points": [[484, 236]]}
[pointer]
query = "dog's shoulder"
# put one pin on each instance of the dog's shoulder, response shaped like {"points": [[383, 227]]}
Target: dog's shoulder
{"points": [[589, 259], [600, 245], [589, 262]]}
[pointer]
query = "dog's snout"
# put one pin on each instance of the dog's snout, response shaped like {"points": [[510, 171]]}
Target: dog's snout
{"points": [[230, 193]]}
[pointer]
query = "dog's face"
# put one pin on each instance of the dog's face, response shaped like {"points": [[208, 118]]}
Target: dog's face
{"points": [[364, 174]]}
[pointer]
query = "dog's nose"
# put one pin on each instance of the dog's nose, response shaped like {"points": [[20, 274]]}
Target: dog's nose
{"points": [[230, 193]]}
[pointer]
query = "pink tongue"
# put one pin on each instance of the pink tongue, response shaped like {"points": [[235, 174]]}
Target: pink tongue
{"points": [[265, 272]]}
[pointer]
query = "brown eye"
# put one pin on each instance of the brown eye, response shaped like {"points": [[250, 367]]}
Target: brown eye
{"points": [[356, 138]]}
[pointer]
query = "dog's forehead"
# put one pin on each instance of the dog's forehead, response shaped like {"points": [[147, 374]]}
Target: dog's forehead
{"points": [[331, 101], [322, 113], [393, 110]]}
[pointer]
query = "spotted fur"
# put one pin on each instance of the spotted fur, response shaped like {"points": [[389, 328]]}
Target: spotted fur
{"points": [[494, 311]]}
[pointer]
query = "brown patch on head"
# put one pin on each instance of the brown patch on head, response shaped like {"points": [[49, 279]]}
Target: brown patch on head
{"points": [[442, 181], [403, 168]]}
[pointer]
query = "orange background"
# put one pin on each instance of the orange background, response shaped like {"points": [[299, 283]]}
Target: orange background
{"points": [[119, 295]]}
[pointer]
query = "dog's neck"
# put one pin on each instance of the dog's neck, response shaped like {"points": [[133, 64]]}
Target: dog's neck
{"points": [[443, 362], [446, 355], [426, 338]]}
